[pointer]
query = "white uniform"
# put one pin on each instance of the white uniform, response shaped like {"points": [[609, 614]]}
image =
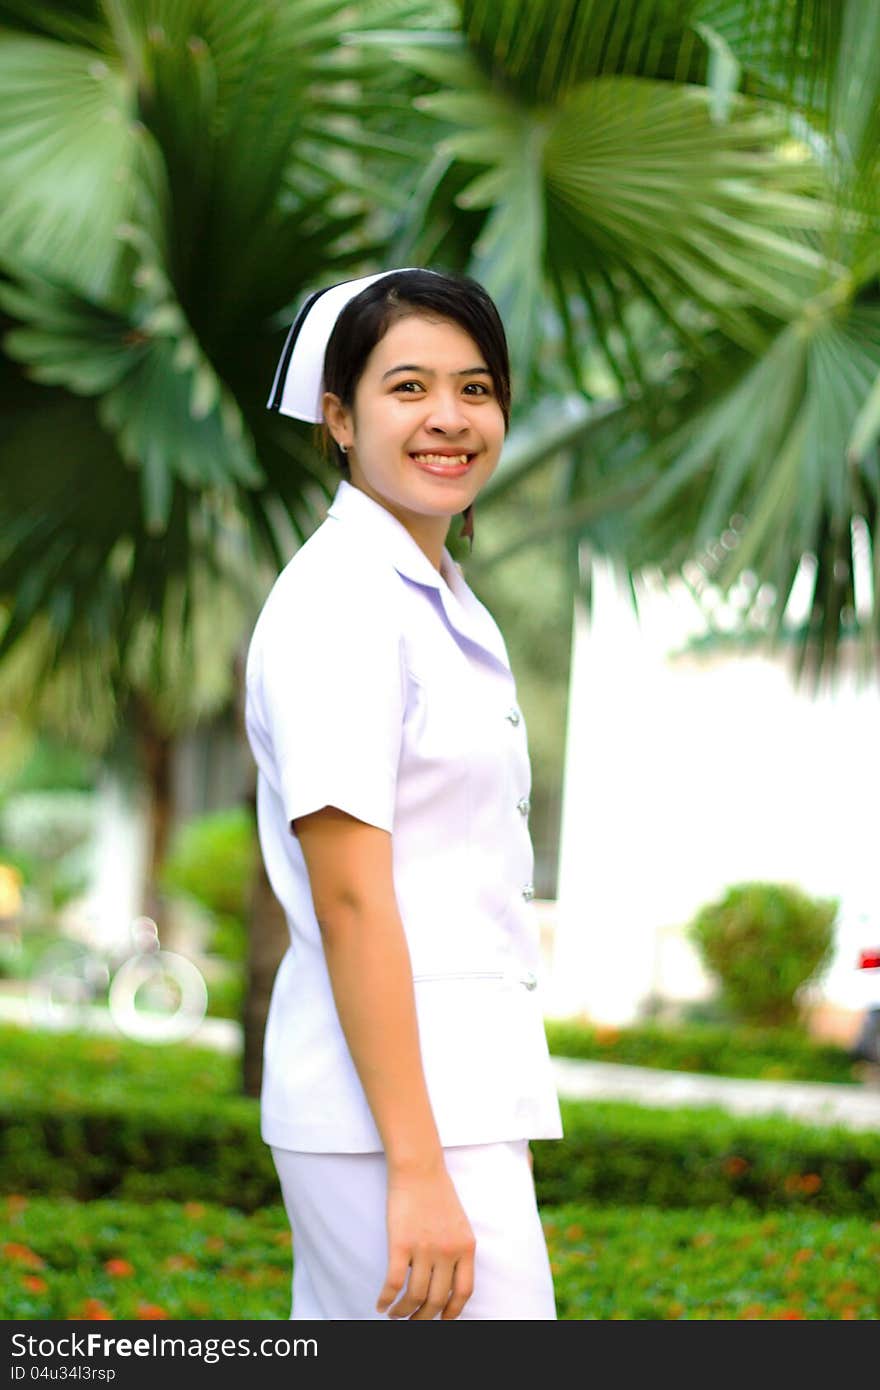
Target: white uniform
{"points": [[380, 686]]}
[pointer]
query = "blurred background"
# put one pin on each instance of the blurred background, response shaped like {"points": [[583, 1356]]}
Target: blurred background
{"points": [[675, 205]]}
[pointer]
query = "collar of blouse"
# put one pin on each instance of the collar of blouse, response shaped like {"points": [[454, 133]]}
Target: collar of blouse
{"points": [[464, 612]]}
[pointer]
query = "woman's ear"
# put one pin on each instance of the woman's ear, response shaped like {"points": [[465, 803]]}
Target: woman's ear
{"points": [[338, 419]]}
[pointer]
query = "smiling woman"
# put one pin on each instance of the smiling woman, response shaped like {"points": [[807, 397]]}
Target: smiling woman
{"points": [[405, 1059], [404, 421], [435, 345]]}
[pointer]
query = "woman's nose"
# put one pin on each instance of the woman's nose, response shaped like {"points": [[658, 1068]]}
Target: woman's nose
{"points": [[445, 413]]}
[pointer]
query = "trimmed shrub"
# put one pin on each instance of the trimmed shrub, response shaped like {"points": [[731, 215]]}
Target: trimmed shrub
{"points": [[763, 942], [626, 1154], [100, 1117], [212, 861], [612, 1153]]}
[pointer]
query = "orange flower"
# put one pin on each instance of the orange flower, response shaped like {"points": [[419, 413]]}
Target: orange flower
{"points": [[735, 1166], [193, 1210], [146, 1311], [801, 1256], [753, 1310], [16, 1203], [803, 1182], [215, 1243], [120, 1269], [94, 1311], [575, 1232], [788, 1315], [23, 1255], [34, 1284]]}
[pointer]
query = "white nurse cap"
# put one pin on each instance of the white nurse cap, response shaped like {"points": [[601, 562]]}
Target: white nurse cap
{"points": [[299, 379]]}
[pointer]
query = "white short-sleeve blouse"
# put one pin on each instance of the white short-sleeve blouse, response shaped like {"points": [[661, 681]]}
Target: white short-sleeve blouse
{"points": [[381, 686]]}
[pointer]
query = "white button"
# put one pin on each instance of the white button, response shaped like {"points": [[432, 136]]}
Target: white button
{"points": [[528, 892], [523, 805], [513, 715]]}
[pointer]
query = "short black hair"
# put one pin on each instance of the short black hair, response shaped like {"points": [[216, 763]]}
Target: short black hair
{"points": [[367, 317]]}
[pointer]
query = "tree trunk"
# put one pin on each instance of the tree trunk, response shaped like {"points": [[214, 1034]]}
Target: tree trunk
{"points": [[268, 936], [268, 939], [155, 753]]}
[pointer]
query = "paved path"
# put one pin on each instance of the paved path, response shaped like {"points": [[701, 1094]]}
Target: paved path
{"points": [[857, 1107]]}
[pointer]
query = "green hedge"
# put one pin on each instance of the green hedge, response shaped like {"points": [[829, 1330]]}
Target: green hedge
{"points": [[762, 1054], [28, 1058], [627, 1154], [612, 1152], [111, 1259], [61, 1068], [101, 1117]]}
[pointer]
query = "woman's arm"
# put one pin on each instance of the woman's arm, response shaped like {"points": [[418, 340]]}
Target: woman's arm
{"points": [[350, 871]]}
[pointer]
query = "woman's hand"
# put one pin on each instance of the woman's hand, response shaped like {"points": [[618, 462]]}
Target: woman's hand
{"points": [[429, 1235]]}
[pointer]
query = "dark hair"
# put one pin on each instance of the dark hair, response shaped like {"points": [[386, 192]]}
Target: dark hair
{"points": [[366, 319]]}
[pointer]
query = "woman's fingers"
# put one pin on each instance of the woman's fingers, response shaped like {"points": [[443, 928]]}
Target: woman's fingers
{"points": [[421, 1298], [395, 1279], [443, 1286], [462, 1287], [428, 1235]]}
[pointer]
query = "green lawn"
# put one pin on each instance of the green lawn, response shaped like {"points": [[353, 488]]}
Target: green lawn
{"points": [[65, 1259]]}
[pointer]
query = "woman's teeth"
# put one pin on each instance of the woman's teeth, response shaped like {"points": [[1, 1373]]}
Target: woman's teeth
{"points": [[452, 460]]}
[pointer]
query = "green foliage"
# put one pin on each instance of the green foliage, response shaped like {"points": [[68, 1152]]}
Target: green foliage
{"points": [[621, 1153], [637, 1263], [102, 1117], [198, 1261], [42, 763], [763, 942], [173, 1147], [226, 992], [212, 860], [763, 1054], [66, 1067], [143, 1261], [20, 951]]}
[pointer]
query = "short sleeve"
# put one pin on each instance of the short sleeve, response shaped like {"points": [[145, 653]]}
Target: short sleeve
{"points": [[331, 686]]}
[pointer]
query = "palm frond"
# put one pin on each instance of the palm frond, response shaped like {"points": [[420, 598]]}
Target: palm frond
{"points": [[160, 397], [631, 190], [540, 51], [74, 21], [68, 143]]}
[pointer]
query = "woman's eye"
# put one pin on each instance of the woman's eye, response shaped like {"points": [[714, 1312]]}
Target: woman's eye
{"points": [[409, 388]]}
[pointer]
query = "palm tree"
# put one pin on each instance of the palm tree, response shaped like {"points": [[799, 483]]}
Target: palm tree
{"points": [[685, 269], [173, 175], [682, 223]]}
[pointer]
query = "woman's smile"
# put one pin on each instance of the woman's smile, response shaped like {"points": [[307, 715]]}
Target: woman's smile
{"points": [[453, 465]]}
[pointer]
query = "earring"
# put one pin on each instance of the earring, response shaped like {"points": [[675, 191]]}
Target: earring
{"points": [[468, 527]]}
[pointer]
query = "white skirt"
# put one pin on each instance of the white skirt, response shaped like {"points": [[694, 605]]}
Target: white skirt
{"points": [[335, 1203]]}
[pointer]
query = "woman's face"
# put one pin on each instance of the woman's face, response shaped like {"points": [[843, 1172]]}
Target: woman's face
{"points": [[424, 400]]}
